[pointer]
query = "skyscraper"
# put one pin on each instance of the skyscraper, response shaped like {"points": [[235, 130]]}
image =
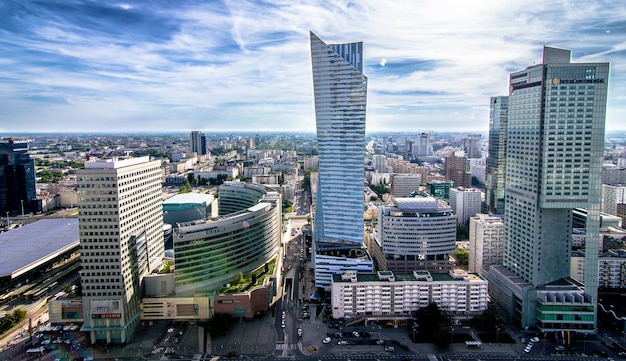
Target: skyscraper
{"points": [[17, 178], [120, 222], [496, 159], [340, 91], [198, 142], [554, 156], [456, 171]]}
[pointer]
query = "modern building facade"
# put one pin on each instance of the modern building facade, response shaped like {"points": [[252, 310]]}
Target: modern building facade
{"points": [[612, 196], [496, 159], [340, 92], [486, 242], [198, 142], [120, 223], [17, 178], [247, 235], [440, 189], [554, 155], [402, 185], [466, 203], [456, 171], [417, 233], [395, 296]]}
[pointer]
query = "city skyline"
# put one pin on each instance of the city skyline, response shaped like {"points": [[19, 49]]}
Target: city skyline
{"points": [[221, 66]]}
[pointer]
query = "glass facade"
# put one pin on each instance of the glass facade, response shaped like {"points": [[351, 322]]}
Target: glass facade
{"points": [[340, 91], [496, 160]]}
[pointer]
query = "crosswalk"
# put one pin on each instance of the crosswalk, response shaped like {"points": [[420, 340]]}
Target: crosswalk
{"points": [[286, 346]]}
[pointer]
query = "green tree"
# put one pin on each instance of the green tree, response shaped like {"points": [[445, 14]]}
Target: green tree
{"points": [[185, 188], [462, 256]]}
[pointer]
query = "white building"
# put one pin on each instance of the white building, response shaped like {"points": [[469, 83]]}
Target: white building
{"points": [[379, 162], [486, 242], [466, 203], [388, 296], [121, 239], [612, 195], [611, 268]]}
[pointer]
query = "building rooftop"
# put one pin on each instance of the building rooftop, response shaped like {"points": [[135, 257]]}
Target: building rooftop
{"points": [[425, 276], [189, 198], [26, 247]]}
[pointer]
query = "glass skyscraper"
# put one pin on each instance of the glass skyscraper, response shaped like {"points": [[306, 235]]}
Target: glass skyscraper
{"points": [[554, 153], [340, 91], [496, 160]]}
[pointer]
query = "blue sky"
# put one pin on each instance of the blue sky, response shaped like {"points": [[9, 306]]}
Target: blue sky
{"points": [[101, 66]]}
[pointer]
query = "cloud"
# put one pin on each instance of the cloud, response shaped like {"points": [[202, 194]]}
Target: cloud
{"points": [[245, 65]]}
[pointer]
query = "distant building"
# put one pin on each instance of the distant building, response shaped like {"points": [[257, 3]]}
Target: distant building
{"points": [[198, 142], [612, 196], [496, 160], [121, 239], [466, 203], [396, 296], [17, 178], [402, 185], [471, 146], [456, 171], [440, 189]]}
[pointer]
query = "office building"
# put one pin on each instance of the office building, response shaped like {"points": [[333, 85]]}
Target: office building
{"points": [[486, 242], [340, 91], [440, 189], [386, 295], [198, 142], [496, 159], [465, 203], [402, 185], [417, 233], [471, 147], [554, 154], [120, 223], [456, 171], [17, 178]]}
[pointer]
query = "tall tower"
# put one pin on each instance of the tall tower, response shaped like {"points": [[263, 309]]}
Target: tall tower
{"points": [[17, 178], [340, 91], [198, 142], [496, 159], [554, 156], [121, 238]]}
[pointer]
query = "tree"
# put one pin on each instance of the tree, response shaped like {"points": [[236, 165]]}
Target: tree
{"points": [[185, 188], [462, 256]]}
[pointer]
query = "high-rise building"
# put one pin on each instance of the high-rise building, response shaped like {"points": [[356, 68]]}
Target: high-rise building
{"points": [[466, 203], [340, 91], [120, 223], [198, 142], [456, 171], [471, 146], [496, 159], [17, 178], [554, 153], [402, 185], [612, 196], [486, 242]]}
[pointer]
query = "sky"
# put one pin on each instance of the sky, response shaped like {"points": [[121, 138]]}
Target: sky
{"points": [[159, 65]]}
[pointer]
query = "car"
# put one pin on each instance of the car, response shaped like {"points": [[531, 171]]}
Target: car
{"points": [[390, 349], [299, 332], [355, 334], [559, 348], [326, 340], [306, 315], [534, 339], [282, 325], [284, 314], [380, 342], [342, 342], [288, 267]]}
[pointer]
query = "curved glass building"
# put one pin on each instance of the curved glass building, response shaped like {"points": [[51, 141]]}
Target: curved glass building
{"points": [[212, 252]]}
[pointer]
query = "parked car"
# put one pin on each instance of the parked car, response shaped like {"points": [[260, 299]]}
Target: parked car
{"points": [[534, 339], [390, 349], [326, 340], [299, 332], [342, 342]]}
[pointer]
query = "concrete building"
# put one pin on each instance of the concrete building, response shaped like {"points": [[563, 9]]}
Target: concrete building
{"points": [[456, 170], [486, 242], [415, 233], [402, 185], [471, 147], [121, 237], [198, 142], [555, 144], [379, 162], [612, 196], [17, 178], [466, 203], [496, 159], [387, 295], [340, 92]]}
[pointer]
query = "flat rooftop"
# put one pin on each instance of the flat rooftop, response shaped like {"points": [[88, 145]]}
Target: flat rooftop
{"points": [[28, 246]]}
